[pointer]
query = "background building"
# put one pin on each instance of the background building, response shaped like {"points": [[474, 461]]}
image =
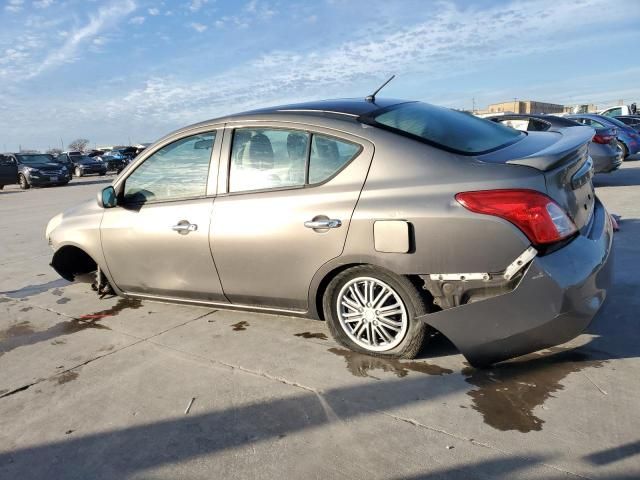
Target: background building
{"points": [[524, 106]]}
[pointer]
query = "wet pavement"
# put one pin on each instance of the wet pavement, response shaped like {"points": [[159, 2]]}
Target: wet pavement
{"points": [[97, 388]]}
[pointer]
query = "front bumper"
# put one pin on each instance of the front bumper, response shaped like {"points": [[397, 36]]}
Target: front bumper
{"points": [[554, 302], [46, 179]]}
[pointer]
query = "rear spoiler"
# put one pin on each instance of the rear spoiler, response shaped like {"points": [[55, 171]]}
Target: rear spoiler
{"points": [[572, 140]]}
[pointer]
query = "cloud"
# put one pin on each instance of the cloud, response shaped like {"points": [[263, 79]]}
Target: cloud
{"points": [[14, 6], [196, 5], [42, 3], [153, 11], [137, 20], [106, 16], [451, 42], [198, 27]]}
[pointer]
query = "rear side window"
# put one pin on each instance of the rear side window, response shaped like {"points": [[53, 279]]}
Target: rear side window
{"points": [[328, 155], [263, 159], [451, 130]]}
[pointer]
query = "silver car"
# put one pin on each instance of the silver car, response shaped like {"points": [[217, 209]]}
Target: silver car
{"points": [[383, 217]]}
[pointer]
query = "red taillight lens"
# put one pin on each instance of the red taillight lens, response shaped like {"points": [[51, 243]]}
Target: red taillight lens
{"points": [[604, 139], [539, 217]]}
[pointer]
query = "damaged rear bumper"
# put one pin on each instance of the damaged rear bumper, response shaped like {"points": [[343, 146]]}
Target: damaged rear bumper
{"points": [[554, 301]]}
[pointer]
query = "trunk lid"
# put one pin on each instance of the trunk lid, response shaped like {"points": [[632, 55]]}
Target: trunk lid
{"points": [[563, 158]]}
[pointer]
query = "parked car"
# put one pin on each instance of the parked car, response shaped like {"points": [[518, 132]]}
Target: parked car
{"points": [[619, 110], [384, 218], [114, 160], [85, 165], [65, 159], [39, 170], [632, 120], [603, 149], [628, 138], [8, 171]]}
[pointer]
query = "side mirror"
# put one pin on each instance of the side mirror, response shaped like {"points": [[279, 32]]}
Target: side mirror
{"points": [[107, 197]]}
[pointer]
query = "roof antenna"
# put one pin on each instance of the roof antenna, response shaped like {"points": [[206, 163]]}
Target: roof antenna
{"points": [[372, 98]]}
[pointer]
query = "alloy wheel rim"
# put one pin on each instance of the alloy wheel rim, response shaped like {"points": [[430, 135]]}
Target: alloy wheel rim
{"points": [[372, 314]]}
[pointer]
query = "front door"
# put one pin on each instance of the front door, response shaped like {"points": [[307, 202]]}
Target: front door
{"points": [[8, 170], [156, 241], [289, 199]]}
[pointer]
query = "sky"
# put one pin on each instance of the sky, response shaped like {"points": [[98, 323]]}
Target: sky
{"points": [[130, 71]]}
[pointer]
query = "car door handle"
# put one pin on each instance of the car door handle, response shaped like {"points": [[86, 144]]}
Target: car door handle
{"points": [[328, 223], [184, 227]]}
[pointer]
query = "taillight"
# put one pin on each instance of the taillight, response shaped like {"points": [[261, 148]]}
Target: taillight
{"points": [[604, 139], [538, 216]]}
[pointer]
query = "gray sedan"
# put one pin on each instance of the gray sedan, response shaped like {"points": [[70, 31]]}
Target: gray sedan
{"points": [[385, 218], [606, 153]]}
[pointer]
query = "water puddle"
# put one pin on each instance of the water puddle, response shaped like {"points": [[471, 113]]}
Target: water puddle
{"points": [[121, 304], [26, 309], [67, 377], [507, 394], [360, 365], [321, 336], [240, 326], [23, 334], [63, 300], [31, 290]]}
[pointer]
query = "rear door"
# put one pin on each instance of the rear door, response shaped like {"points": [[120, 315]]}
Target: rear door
{"points": [[8, 170], [286, 203]]}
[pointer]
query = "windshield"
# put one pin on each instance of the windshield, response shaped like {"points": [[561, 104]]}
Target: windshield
{"points": [[84, 159], [449, 129], [33, 159]]}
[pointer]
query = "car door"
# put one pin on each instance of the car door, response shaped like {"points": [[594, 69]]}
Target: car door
{"points": [[286, 196], [156, 240], [8, 170]]}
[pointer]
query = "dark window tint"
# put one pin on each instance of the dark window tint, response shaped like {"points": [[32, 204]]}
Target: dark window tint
{"points": [[616, 122], [30, 159], [263, 159], [178, 170], [455, 131], [328, 155], [614, 112]]}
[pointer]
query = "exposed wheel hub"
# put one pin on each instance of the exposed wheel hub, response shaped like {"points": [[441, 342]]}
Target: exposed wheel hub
{"points": [[372, 314]]}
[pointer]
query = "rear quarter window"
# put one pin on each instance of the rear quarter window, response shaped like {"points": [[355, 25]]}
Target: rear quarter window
{"points": [[451, 130]]}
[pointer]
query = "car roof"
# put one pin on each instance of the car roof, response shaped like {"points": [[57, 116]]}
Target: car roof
{"points": [[345, 108]]}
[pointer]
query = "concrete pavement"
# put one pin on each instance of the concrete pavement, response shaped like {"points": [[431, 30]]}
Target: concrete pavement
{"points": [[95, 388]]}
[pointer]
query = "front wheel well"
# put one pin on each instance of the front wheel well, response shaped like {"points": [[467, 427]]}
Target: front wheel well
{"points": [[70, 262]]}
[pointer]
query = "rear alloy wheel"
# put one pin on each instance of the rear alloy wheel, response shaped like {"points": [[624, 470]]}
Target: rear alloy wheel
{"points": [[78, 172], [22, 180], [625, 150], [371, 311]]}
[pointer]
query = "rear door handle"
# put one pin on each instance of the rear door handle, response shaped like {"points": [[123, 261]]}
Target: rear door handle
{"points": [[328, 223], [183, 227]]}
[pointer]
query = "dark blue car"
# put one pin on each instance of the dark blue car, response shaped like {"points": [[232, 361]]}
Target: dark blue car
{"points": [[628, 137]]}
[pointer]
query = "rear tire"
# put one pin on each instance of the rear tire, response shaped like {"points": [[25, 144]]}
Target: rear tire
{"points": [[22, 180], [395, 335], [625, 150]]}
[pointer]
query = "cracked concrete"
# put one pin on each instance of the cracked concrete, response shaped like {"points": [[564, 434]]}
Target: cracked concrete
{"points": [[88, 394]]}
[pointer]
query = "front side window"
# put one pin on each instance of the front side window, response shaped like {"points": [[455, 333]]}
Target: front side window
{"points": [[451, 130], [178, 170]]}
